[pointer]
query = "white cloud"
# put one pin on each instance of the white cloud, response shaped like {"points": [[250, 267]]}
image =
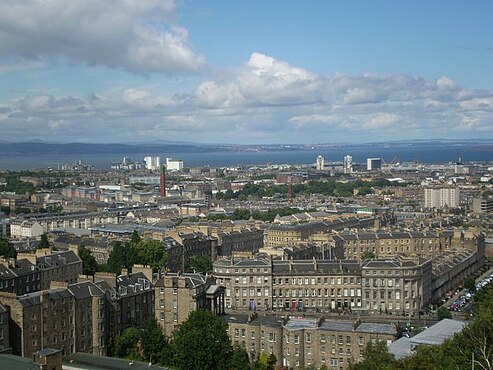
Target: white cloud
{"points": [[382, 120], [135, 35], [263, 81], [265, 100]]}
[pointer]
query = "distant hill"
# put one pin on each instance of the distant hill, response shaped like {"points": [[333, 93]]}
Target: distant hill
{"points": [[37, 148]]}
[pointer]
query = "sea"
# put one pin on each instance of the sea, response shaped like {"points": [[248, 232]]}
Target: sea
{"points": [[423, 154]]}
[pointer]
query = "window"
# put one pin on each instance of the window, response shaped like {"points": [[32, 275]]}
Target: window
{"points": [[308, 337]]}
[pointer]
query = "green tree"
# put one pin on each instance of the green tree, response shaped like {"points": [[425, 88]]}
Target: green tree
{"points": [[376, 356], [5, 209], [202, 342], [126, 344], [199, 264], [135, 238], [443, 313], [89, 264], [44, 243], [470, 284], [368, 255], [153, 342], [241, 214], [239, 359], [265, 361], [149, 252], [120, 256], [7, 249]]}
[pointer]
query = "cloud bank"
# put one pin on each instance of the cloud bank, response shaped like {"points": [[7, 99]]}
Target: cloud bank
{"points": [[138, 36], [264, 100]]}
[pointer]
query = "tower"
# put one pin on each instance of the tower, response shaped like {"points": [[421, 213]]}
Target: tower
{"points": [[348, 164], [290, 191], [320, 163], [163, 181]]}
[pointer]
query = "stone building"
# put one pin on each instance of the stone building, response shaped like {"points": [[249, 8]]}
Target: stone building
{"points": [[425, 244], [299, 342], [41, 319], [316, 285], [399, 285], [68, 318], [283, 235], [234, 241], [58, 266], [19, 276], [177, 295], [182, 247], [40, 223], [4, 328], [20, 228], [395, 286], [129, 302], [89, 317], [247, 282]]}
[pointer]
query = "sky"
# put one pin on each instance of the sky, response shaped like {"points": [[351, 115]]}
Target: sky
{"points": [[245, 72]]}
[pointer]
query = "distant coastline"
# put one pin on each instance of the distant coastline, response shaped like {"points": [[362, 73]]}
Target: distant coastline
{"points": [[32, 155]]}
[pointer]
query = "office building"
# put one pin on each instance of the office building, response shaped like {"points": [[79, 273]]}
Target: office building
{"points": [[174, 164], [152, 163], [374, 164]]}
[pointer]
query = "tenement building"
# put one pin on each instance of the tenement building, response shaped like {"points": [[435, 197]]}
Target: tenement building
{"points": [[177, 295], [181, 247], [400, 285], [69, 318], [282, 235], [129, 302], [299, 342], [426, 244], [19, 276]]}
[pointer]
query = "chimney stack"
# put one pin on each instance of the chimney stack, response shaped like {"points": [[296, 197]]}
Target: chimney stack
{"points": [[163, 181]]}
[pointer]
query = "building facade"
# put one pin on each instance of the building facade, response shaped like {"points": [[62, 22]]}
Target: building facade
{"points": [[177, 295], [442, 196], [300, 342]]}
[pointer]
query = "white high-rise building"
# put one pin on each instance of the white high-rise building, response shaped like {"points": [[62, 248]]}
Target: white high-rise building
{"points": [[441, 196], [348, 164], [373, 164], [320, 163], [152, 163], [174, 164]]}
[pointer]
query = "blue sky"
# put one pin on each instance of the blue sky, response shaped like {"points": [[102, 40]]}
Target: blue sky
{"points": [[245, 71]]}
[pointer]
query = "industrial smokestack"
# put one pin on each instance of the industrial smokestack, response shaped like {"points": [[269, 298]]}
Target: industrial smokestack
{"points": [[163, 181]]}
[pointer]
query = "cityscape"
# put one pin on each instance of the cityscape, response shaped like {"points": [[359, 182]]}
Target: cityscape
{"points": [[245, 186]]}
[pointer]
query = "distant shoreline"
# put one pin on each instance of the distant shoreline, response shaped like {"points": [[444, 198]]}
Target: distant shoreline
{"points": [[194, 156]]}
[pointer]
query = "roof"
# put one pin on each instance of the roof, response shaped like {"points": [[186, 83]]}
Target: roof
{"points": [[400, 348], [12, 362], [434, 335], [85, 289], [86, 361], [297, 324], [439, 332], [57, 259]]}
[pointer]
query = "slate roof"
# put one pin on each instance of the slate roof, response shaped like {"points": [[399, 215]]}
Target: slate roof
{"points": [[57, 259], [85, 289]]}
